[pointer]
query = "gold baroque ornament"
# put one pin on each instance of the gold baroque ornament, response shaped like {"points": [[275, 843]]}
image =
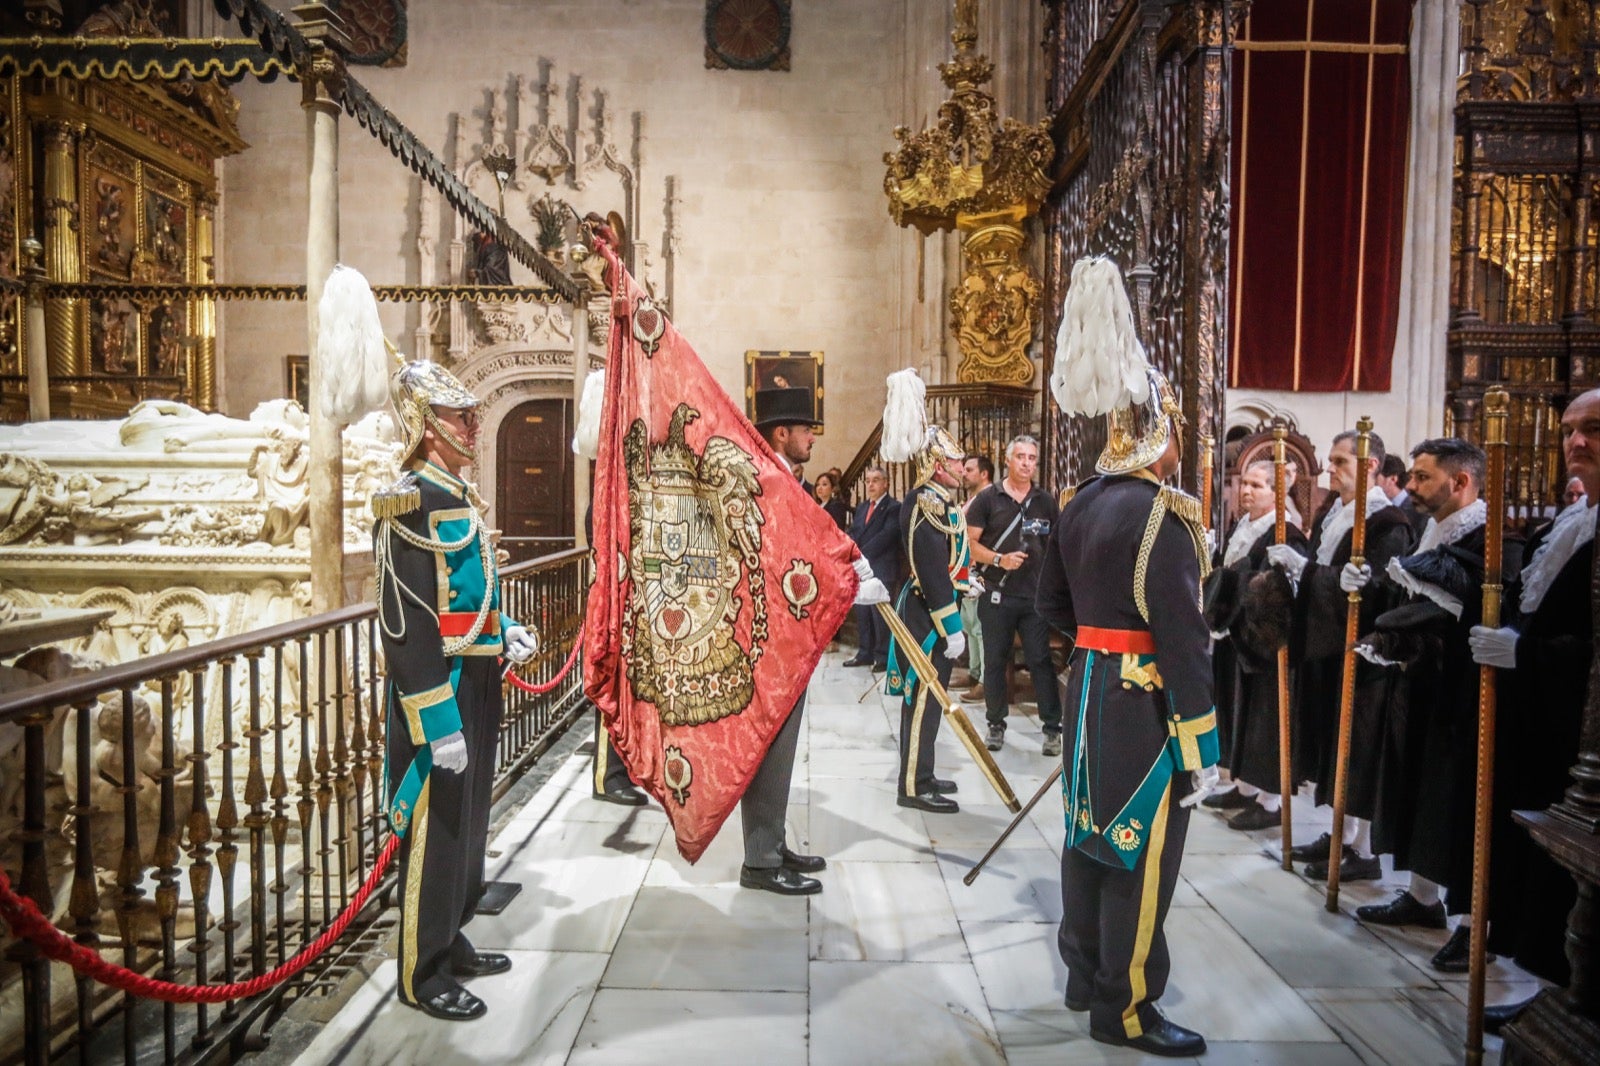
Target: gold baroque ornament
{"points": [[694, 536], [994, 307]]}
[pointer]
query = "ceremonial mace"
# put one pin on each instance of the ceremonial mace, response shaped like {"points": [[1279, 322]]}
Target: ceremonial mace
{"points": [[959, 722], [1495, 405], [1207, 466], [1347, 694], [1280, 491]]}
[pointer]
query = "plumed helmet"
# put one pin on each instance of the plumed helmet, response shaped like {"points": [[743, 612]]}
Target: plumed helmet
{"points": [[1138, 433], [906, 433], [415, 389]]}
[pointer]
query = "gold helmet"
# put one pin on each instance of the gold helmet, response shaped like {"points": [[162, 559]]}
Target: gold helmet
{"points": [[1137, 434], [941, 446], [907, 437], [416, 389]]}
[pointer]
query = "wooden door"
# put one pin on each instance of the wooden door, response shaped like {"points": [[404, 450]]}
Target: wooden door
{"points": [[535, 479]]}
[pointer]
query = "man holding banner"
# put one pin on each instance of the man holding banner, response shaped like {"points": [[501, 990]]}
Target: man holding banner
{"points": [[718, 584]]}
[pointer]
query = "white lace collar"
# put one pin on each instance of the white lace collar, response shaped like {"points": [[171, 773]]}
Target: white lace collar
{"points": [[1437, 535], [1341, 520], [1573, 529], [1244, 537]]}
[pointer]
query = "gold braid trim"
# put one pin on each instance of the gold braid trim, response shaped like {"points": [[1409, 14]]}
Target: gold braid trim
{"points": [[1187, 510], [1147, 543], [936, 509]]}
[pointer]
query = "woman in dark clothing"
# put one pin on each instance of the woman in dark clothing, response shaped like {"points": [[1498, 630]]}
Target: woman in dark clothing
{"points": [[827, 494]]}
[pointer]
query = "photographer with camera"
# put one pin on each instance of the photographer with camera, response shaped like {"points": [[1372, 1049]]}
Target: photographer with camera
{"points": [[1008, 525]]}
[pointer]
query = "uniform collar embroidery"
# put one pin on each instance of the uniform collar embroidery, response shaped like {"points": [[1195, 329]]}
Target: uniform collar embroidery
{"points": [[439, 476]]}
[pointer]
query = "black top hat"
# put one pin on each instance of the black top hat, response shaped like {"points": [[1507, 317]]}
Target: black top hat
{"points": [[784, 407]]}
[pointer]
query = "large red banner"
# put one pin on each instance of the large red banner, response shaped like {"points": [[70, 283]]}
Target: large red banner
{"points": [[718, 580]]}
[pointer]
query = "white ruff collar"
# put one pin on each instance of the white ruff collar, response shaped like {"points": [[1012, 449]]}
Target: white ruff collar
{"points": [[1437, 535], [1341, 520], [1244, 537], [1573, 529]]}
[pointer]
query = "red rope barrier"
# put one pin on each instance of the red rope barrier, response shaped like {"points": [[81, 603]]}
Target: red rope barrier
{"points": [[26, 922], [542, 688]]}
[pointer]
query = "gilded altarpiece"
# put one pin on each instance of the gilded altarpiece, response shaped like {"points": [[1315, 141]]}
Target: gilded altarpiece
{"points": [[1138, 98], [117, 182]]}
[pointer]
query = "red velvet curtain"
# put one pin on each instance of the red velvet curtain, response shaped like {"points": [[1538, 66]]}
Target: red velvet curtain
{"points": [[1321, 97]]}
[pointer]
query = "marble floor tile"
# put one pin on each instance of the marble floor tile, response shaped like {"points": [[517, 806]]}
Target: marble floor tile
{"points": [[865, 763], [578, 883], [926, 1013], [1402, 1029], [860, 820], [713, 1028], [1219, 985], [885, 912], [977, 825], [1495, 993], [1018, 965], [1060, 1038], [714, 939], [1419, 946], [535, 1011], [1019, 885], [1283, 919]]}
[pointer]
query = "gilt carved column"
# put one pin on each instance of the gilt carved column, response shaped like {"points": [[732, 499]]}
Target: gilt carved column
{"points": [[62, 244], [203, 377]]}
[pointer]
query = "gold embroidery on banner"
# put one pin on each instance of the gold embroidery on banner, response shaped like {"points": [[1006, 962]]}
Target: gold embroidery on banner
{"points": [[694, 535]]}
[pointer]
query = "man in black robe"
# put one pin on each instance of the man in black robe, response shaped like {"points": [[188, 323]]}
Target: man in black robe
{"points": [[1429, 755], [1248, 610], [1544, 656], [1317, 647]]}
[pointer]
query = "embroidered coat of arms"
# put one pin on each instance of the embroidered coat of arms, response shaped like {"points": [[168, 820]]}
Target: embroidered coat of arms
{"points": [[695, 537]]}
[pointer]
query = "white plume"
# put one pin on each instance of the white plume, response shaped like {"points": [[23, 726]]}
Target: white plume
{"points": [[905, 417], [355, 377], [1100, 364], [586, 441]]}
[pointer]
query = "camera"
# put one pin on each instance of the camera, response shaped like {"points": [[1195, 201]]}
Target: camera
{"points": [[1036, 527]]}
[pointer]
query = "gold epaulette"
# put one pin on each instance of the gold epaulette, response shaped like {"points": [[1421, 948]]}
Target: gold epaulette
{"points": [[936, 509], [1188, 510], [1183, 505], [1072, 490], [401, 498]]}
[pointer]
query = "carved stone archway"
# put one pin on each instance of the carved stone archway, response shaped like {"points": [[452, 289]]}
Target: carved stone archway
{"points": [[503, 376]]}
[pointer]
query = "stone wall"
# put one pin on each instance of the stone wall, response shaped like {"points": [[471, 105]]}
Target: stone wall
{"points": [[784, 239]]}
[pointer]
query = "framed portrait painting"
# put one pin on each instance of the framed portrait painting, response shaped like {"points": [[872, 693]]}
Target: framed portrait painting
{"points": [[783, 370]]}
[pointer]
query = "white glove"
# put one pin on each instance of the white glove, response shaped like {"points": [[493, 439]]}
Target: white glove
{"points": [[1286, 559], [1219, 634], [1205, 783], [1353, 578], [521, 644], [450, 753], [975, 587], [1366, 652], [1494, 647], [871, 591], [954, 645], [862, 567], [1211, 541]]}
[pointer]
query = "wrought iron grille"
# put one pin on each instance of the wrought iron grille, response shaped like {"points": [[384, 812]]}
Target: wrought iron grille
{"points": [[203, 847]]}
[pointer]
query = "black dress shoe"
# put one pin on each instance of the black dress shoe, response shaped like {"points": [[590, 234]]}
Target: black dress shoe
{"points": [[1256, 817], [1317, 849], [779, 879], [1352, 867], [623, 795], [929, 801], [944, 787], [1165, 1038], [881, 667], [801, 864], [1456, 955], [452, 1005], [1402, 910], [482, 964], [856, 660], [1498, 1017], [1231, 800]]}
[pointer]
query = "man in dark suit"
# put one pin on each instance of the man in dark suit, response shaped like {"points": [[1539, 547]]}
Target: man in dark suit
{"points": [[876, 531]]}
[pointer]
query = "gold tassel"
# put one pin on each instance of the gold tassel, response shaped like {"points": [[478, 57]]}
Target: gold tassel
{"points": [[402, 499]]}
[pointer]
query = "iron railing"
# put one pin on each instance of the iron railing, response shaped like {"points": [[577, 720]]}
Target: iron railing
{"points": [[200, 847]]}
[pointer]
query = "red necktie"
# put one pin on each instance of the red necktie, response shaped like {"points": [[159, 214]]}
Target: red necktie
{"points": [[870, 506]]}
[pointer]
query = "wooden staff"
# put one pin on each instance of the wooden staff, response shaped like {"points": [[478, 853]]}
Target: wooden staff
{"points": [[1280, 532], [972, 874], [1495, 405], [1207, 465], [1347, 695]]}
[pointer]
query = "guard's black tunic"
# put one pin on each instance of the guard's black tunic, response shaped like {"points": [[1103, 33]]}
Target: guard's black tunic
{"points": [[934, 533], [1251, 601], [1123, 559], [1539, 719], [1317, 647]]}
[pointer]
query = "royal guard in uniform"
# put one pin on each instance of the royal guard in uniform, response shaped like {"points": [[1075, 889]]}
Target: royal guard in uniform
{"points": [[934, 533], [443, 634], [1123, 579]]}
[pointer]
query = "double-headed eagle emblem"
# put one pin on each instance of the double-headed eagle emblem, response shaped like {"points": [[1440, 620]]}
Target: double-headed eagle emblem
{"points": [[695, 533]]}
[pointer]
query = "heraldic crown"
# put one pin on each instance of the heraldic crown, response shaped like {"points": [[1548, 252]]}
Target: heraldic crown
{"points": [[906, 433], [1101, 368]]}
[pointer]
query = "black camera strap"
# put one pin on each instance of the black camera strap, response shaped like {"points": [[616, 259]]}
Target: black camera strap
{"points": [[1012, 528]]}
